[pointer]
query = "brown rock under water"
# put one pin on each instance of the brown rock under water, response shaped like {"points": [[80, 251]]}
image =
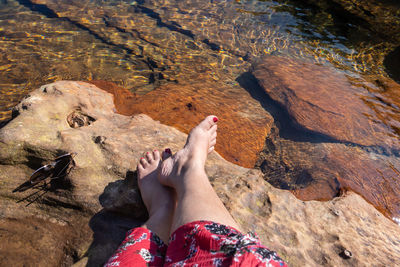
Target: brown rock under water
{"points": [[385, 101], [321, 99], [243, 124], [375, 177], [323, 171], [359, 118]]}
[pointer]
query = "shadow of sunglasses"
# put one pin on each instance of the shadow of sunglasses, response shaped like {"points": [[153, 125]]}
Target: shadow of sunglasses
{"points": [[59, 168]]}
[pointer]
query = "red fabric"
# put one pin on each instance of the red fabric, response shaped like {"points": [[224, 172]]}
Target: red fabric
{"points": [[200, 243], [141, 247]]}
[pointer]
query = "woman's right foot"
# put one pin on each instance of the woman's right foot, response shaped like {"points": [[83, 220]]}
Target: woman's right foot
{"points": [[200, 142], [184, 172]]}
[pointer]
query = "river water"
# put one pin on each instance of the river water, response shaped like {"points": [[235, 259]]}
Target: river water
{"points": [[151, 44]]}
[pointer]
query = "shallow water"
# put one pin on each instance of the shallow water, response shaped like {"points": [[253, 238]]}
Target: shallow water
{"points": [[149, 44]]}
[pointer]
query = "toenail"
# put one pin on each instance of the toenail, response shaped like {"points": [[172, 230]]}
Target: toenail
{"points": [[215, 119], [167, 150], [147, 152]]}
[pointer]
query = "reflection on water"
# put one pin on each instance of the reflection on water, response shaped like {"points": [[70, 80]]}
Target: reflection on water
{"points": [[163, 44]]}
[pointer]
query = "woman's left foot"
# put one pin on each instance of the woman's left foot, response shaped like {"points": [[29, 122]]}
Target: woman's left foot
{"points": [[159, 200]]}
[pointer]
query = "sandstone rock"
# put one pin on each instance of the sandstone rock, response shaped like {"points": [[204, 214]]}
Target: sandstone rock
{"points": [[322, 100], [103, 199], [374, 176], [312, 233]]}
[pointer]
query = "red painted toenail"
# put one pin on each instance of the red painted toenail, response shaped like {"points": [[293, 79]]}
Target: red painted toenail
{"points": [[147, 152], [215, 119], [167, 150]]}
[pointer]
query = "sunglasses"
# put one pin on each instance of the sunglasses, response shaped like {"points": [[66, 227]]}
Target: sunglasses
{"points": [[57, 169]]}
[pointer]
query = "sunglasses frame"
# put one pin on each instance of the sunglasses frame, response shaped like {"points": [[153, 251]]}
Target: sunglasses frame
{"points": [[45, 174]]}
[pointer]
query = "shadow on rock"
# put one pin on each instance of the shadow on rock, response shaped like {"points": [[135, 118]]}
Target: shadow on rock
{"points": [[288, 127], [123, 209]]}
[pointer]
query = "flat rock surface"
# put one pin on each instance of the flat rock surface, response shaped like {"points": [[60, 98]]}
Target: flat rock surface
{"points": [[323, 100], [84, 222]]}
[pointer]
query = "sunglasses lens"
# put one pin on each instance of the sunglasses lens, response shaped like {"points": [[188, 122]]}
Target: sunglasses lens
{"points": [[63, 157], [41, 173]]}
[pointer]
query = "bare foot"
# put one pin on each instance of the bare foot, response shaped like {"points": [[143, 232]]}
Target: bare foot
{"points": [[185, 173], [159, 200], [200, 142]]}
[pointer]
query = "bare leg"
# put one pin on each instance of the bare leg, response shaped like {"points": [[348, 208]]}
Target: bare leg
{"points": [[159, 200], [184, 171]]}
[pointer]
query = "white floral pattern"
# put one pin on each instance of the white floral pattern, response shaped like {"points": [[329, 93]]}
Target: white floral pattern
{"points": [[146, 255]]}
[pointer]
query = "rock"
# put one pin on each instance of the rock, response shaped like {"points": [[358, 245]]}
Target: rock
{"points": [[373, 176], [358, 118], [308, 233], [385, 101], [322, 100], [104, 202], [322, 171]]}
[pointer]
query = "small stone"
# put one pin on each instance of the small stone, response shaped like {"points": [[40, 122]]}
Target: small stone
{"points": [[346, 254], [336, 212], [100, 139]]}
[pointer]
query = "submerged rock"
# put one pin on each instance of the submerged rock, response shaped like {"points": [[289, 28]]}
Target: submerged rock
{"points": [[353, 125], [84, 222], [323, 171], [322, 100]]}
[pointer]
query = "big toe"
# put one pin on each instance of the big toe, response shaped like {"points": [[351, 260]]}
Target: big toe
{"points": [[208, 122], [167, 165], [166, 154]]}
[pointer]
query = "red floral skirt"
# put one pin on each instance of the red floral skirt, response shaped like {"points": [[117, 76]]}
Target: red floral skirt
{"points": [[200, 243]]}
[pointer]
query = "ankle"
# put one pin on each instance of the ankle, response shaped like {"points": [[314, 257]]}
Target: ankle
{"points": [[161, 209], [193, 184]]}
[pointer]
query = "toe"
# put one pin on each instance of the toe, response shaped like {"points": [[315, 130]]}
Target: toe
{"points": [[211, 149], [213, 129], [149, 156], [166, 154], [208, 122], [144, 163], [140, 168], [213, 142], [156, 155], [214, 135]]}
